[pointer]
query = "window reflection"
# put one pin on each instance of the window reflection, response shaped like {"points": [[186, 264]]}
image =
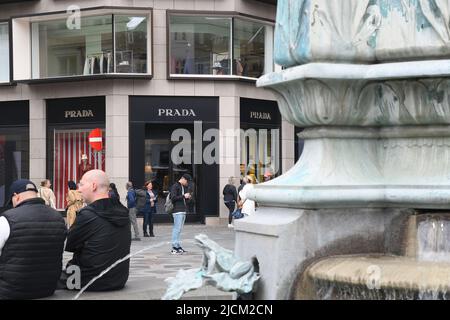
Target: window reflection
{"points": [[14, 155], [131, 44], [260, 152], [249, 48], [59, 51], [4, 52], [200, 45]]}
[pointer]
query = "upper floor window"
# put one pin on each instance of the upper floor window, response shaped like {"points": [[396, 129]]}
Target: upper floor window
{"points": [[103, 42], [219, 46], [4, 52]]}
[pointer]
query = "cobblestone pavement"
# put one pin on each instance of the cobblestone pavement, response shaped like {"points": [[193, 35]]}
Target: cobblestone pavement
{"points": [[149, 269]]}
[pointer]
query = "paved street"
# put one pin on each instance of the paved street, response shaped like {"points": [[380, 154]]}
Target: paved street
{"points": [[149, 268]]}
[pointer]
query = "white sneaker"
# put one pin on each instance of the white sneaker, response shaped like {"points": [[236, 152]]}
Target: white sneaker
{"points": [[230, 226]]}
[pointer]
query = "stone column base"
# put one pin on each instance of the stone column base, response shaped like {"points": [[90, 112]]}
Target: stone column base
{"points": [[285, 241]]}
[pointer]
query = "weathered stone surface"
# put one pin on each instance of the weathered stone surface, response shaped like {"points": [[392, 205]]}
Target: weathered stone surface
{"points": [[361, 31], [322, 94], [372, 137], [376, 137]]}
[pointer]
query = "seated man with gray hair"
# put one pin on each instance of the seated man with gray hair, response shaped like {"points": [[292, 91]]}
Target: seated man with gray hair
{"points": [[100, 236]]}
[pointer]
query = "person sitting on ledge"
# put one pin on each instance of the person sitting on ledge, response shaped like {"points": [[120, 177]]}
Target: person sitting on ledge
{"points": [[100, 236], [31, 245]]}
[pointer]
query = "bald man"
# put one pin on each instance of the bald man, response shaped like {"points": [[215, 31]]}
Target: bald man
{"points": [[100, 235]]}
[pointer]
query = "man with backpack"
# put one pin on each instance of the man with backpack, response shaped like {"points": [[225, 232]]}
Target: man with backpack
{"points": [[179, 196], [131, 204]]}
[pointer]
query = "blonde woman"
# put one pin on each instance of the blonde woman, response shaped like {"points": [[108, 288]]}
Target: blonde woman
{"points": [[47, 194], [74, 203], [247, 205]]}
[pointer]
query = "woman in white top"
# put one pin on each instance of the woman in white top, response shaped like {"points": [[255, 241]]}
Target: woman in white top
{"points": [[247, 205], [47, 194]]}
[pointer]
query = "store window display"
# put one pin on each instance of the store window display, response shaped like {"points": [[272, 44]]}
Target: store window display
{"points": [[73, 157], [60, 51]]}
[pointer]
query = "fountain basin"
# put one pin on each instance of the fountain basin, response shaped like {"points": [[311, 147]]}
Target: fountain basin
{"points": [[377, 275]]}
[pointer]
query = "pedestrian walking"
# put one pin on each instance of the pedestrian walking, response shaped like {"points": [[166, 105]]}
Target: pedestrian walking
{"points": [[179, 197], [74, 202], [247, 205], [47, 194], [132, 211], [230, 199], [113, 193]]}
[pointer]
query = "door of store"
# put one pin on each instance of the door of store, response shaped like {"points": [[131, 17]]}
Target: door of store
{"points": [[163, 166]]}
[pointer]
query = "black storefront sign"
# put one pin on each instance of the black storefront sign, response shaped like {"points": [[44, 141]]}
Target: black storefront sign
{"points": [[154, 118], [76, 110], [259, 112], [173, 109], [14, 113]]}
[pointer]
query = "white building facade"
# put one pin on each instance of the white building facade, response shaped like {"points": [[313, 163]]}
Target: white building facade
{"points": [[170, 84]]}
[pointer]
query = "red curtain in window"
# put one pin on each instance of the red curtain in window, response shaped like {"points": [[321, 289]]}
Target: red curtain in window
{"points": [[70, 145]]}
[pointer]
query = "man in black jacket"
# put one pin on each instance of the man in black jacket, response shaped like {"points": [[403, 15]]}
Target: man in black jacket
{"points": [[31, 245], [180, 197], [100, 236], [230, 199]]}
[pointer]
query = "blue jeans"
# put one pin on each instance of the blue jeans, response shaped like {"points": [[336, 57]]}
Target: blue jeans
{"points": [[178, 223], [148, 220]]}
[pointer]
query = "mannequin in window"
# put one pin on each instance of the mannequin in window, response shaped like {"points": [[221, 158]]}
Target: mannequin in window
{"points": [[238, 69], [84, 166], [189, 61], [219, 68], [223, 67]]}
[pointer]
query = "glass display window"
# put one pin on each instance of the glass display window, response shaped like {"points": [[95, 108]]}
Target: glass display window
{"points": [[14, 158], [103, 44], [4, 52], [219, 46], [72, 157]]}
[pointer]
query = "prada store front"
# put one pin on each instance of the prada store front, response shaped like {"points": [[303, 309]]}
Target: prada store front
{"points": [[14, 145], [167, 141], [69, 122], [261, 143]]}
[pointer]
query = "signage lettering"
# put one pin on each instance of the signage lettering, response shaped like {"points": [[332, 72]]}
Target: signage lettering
{"points": [[79, 114], [260, 115], [176, 112]]}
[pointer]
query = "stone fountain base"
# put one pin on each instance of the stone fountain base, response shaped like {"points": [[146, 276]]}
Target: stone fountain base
{"points": [[286, 241], [375, 277]]}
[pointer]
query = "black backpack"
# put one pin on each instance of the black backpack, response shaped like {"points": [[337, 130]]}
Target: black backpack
{"points": [[141, 198]]}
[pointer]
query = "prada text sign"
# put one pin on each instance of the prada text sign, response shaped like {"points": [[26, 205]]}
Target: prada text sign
{"points": [[76, 110]]}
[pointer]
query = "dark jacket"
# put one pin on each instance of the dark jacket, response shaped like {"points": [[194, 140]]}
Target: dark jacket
{"points": [[113, 194], [99, 237], [177, 197], [148, 204], [229, 193], [131, 198], [31, 260]]}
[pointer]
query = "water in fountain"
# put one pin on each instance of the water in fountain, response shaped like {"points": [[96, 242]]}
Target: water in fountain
{"points": [[425, 276], [433, 238]]}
